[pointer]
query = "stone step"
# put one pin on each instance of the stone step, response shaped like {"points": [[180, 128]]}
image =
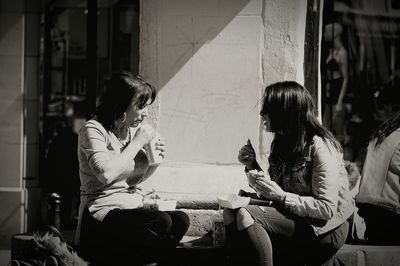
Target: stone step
{"points": [[201, 221], [349, 255], [198, 204]]}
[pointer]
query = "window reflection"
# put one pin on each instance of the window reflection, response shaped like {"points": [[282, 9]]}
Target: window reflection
{"points": [[360, 44], [65, 79]]}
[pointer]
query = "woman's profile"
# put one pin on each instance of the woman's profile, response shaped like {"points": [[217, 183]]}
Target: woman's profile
{"points": [[306, 181]]}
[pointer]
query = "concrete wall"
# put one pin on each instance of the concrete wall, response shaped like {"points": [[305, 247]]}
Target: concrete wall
{"points": [[19, 57], [282, 52], [207, 69], [211, 60], [11, 119]]}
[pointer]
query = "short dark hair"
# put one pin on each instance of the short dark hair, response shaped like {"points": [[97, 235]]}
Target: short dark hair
{"points": [[121, 88]]}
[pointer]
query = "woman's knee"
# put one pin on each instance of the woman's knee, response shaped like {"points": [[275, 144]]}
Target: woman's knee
{"points": [[180, 219], [243, 219], [162, 222]]}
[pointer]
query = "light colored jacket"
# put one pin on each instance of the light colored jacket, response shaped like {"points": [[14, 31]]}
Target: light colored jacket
{"points": [[317, 187], [380, 182]]}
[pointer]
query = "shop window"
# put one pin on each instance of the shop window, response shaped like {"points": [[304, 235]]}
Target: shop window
{"points": [[66, 97], [361, 45]]}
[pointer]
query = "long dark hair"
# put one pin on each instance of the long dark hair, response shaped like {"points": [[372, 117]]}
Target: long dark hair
{"points": [[386, 128], [121, 88], [292, 117]]}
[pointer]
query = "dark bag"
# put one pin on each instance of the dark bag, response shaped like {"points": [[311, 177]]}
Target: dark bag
{"points": [[46, 246]]}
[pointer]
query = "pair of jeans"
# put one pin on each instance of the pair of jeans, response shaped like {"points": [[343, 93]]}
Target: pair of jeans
{"points": [[293, 239], [132, 235], [382, 225]]}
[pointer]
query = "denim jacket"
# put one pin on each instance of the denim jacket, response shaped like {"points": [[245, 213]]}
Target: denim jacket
{"points": [[317, 187]]}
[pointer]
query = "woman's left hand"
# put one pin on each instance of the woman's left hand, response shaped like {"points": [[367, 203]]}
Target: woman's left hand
{"points": [[160, 146], [270, 190]]}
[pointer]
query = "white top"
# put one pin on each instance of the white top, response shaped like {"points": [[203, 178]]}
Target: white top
{"points": [[96, 146]]}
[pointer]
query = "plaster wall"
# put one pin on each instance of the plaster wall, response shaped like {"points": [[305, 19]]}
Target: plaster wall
{"points": [[19, 135], [11, 119], [282, 52], [207, 66], [210, 61]]}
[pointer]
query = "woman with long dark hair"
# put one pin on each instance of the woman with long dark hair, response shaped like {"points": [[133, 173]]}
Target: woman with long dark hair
{"points": [[113, 227], [379, 196], [306, 181]]}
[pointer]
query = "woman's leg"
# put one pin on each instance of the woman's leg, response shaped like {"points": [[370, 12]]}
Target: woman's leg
{"points": [[135, 235], [283, 233], [128, 222], [256, 241], [231, 233], [179, 227], [382, 225], [253, 236]]}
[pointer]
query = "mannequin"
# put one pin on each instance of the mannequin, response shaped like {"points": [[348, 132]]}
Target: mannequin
{"points": [[337, 79]]}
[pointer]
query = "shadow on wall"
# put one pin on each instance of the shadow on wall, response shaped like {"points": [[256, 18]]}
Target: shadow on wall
{"points": [[185, 26]]}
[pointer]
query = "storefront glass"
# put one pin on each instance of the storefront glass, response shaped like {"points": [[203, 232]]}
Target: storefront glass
{"points": [[360, 69], [70, 86]]}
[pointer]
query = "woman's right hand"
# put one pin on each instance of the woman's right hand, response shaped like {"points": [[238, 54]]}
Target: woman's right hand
{"points": [[253, 176], [247, 155], [144, 134]]}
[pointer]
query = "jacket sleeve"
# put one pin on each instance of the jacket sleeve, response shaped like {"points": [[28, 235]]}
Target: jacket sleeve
{"points": [[322, 204], [395, 162]]}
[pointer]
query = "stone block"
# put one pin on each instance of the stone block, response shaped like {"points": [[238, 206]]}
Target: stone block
{"points": [[211, 204], [201, 221], [382, 255], [348, 258]]}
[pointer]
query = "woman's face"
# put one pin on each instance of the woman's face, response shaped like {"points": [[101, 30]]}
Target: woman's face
{"points": [[135, 116]]}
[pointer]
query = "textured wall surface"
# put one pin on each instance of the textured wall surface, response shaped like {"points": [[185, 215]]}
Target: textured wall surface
{"points": [[11, 120], [19, 103], [282, 52], [210, 61], [205, 59]]}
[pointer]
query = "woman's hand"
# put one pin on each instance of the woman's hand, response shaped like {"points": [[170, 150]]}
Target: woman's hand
{"points": [[144, 134], [253, 175], [270, 189], [247, 155], [160, 146]]}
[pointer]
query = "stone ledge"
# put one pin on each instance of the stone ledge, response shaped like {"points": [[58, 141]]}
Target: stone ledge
{"points": [[354, 255], [201, 221], [198, 204], [367, 255], [348, 255]]}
